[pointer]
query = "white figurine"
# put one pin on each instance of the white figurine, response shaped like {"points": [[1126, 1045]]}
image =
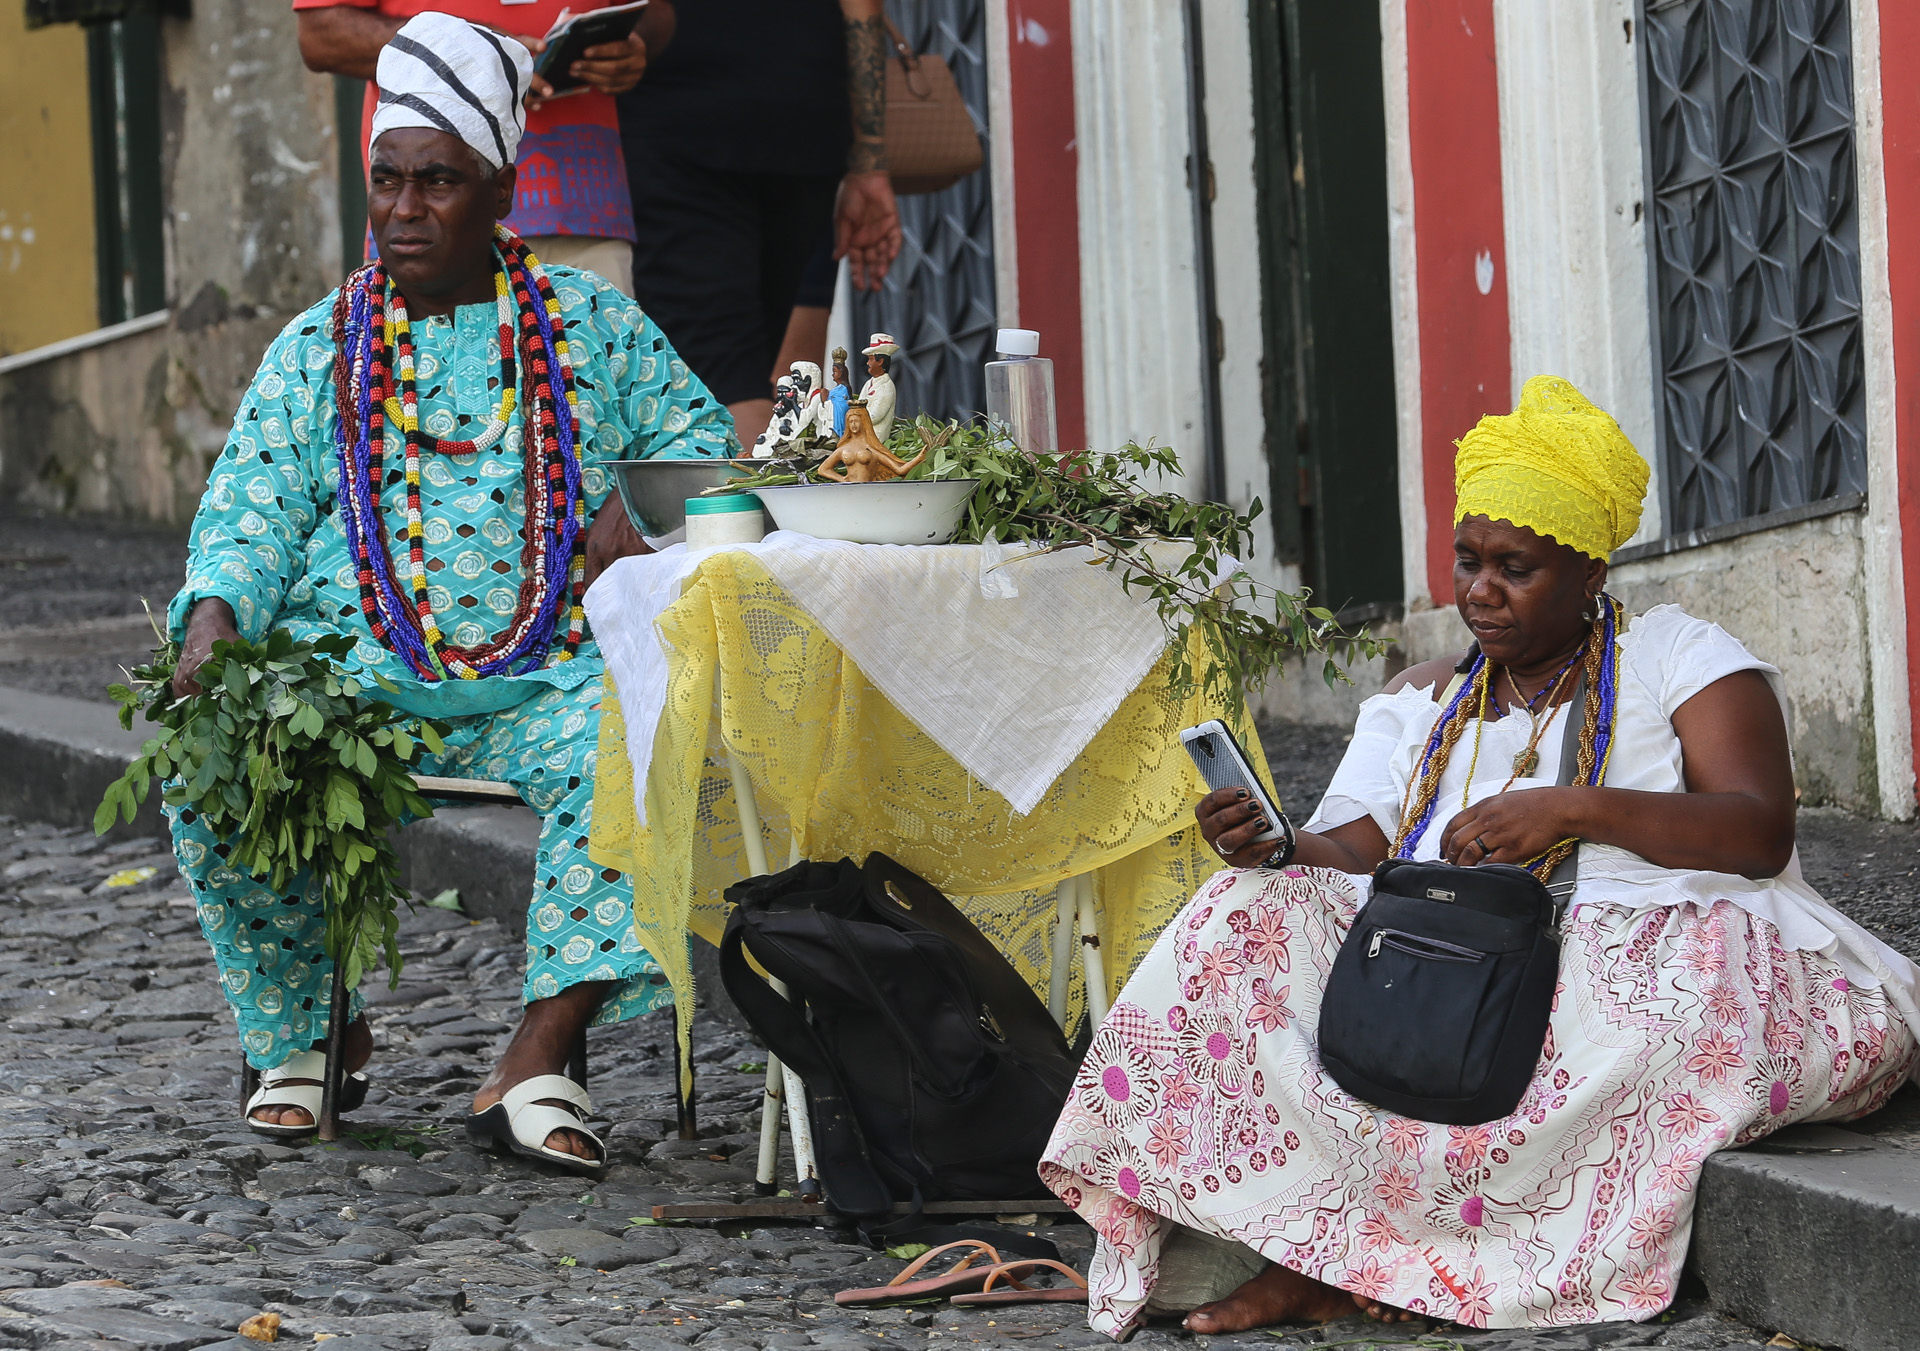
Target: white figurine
{"points": [[815, 423], [786, 413], [878, 391], [802, 416]]}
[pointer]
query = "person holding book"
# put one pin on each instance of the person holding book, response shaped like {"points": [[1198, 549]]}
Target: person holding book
{"points": [[757, 137], [571, 200]]}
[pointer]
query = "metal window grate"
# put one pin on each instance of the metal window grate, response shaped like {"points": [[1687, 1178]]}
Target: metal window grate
{"points": [[1756, 255]]}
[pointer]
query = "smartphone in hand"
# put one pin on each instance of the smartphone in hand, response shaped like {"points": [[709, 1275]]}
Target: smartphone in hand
{"points": [[1222, 764]]}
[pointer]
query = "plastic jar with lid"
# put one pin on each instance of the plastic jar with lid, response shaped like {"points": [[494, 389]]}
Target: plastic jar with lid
{"points": [[726, 518]]}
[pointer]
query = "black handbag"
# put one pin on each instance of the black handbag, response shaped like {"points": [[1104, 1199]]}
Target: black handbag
{"points": [[1437, 1004]]}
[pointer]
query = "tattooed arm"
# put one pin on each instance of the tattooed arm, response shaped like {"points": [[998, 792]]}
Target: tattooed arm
{"points": [[866, 219]]}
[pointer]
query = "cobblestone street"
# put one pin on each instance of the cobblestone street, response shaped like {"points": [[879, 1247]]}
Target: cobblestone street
{"points": [[136, 1211]]}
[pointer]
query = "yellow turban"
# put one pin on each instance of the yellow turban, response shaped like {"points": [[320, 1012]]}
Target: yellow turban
{"points": [[1556, 465]]}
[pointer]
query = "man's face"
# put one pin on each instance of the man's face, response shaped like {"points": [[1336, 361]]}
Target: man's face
{"points": [[875, 365], [432, 203]]}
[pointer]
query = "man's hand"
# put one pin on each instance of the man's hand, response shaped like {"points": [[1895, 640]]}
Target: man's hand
{"points": [[610, 67], [211, 622], [610, 537], [866, 227]]}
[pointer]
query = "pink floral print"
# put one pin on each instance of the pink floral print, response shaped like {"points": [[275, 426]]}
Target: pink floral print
{"points": [[1675, 1032]]}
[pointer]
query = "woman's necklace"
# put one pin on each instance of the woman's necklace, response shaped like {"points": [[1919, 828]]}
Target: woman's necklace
{"points": [[373, 345], [1468, 703], [1528, 760]]}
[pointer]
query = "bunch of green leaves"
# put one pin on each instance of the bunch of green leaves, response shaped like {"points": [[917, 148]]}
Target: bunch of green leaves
{"points": [[1181, 554], [281, 757]]}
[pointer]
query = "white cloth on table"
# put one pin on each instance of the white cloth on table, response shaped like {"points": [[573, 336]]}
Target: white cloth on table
{"points": [[1010, 669], [1666, 657]]}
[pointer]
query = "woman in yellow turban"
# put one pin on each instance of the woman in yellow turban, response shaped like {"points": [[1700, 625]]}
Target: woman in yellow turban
{"points": [[1707, 995]]}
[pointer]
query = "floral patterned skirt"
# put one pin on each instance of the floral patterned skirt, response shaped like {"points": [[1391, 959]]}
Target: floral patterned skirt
{"points": [[1676, 1031]]}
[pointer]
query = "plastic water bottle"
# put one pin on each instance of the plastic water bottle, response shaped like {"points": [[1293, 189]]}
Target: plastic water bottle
{"points": [[1020, 391]]}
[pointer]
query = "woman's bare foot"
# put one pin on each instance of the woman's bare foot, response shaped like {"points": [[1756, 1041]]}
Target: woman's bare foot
{"points": [[1276, 1295], [358, 1051], [1382, 1313], [541, 1045]]}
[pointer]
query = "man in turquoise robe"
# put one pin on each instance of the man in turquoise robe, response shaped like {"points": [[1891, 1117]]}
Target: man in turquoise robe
{"points": [[268, 551]]}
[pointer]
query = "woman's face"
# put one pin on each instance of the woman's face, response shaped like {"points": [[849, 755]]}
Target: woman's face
{"points": [[1521, 593]]}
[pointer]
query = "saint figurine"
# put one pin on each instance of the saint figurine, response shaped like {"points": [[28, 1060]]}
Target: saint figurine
{"points": [[841, 392], [878, 392], [861, 457]]}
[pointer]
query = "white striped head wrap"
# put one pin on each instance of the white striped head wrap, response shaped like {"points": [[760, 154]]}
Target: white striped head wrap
{"points": [[453, 76]]}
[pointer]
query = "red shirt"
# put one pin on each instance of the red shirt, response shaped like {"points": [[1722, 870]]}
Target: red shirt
{"points": [[572, 176]]}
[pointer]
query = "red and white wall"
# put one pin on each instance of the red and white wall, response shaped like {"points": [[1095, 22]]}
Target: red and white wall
{"points": [[1518, 239]]}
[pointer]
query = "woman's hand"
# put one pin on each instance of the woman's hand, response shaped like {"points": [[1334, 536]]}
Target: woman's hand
{"points": [[1229, 821], [1512, 827]]}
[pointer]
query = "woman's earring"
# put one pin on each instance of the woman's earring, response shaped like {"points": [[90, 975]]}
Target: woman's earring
{"points": [[1589, 614]]}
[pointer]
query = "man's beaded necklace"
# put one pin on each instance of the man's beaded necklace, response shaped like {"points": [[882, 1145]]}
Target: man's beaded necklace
{"points": [[373, 344]]}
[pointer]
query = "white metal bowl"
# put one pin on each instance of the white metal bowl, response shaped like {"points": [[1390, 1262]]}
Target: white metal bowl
{"points": [[655, 492], [904, 511]]}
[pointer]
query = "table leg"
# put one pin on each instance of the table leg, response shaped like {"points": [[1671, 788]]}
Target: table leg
{"points": [[1092, 965], [766, 1175], [1060, 969], [753, 843]]}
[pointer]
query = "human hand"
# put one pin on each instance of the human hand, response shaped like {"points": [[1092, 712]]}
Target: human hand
{"points": [[1229, 820], [612, 67], [1512, 827], [866, 226], [210, 622], [611, 537], [538, 89]]}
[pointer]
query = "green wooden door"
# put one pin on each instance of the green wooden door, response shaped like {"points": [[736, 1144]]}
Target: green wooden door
{"points": [[1321, 163]]}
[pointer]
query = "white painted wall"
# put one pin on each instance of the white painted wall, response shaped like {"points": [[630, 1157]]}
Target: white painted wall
{"points": [[1138, 307], [1238, 286], [1572, 185], [1884, 595], [1404, 274], [1006, 252]]}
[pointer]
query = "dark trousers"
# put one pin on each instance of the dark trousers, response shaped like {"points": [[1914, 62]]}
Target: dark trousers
{"points": [[720, 259]]}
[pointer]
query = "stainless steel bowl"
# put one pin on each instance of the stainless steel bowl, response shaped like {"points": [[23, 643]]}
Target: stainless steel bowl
{"points": [[655, 492]]}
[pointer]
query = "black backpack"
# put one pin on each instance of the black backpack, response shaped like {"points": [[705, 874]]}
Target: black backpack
{"points": [[932, 1070]]}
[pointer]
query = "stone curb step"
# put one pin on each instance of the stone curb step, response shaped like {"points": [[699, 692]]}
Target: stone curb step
{"points": [[1815, 1233]]}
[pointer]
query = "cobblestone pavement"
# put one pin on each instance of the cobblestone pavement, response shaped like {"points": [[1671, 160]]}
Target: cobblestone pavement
{"points": [[136, 1211]]}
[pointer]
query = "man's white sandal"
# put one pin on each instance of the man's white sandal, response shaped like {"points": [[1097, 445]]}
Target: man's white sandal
{"points": [[521, 1122], [279, 1087]]}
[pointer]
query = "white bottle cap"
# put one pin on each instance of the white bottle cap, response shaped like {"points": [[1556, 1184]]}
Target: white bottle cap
{"points": [[1017, 342]]}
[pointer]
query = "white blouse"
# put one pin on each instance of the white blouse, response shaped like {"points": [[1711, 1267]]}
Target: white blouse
{"points": [[1666, 657]]}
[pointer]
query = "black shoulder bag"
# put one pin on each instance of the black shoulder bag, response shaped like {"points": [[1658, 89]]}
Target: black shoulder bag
{"points": [[1437, 1004]]}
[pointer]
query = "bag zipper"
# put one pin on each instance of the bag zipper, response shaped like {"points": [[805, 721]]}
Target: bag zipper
{"points": [[1417, 945]]}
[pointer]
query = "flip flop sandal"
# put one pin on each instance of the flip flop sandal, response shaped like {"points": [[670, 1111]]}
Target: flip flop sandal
{"points": [[960, 1277], [520, 1123], [1027, 1294], [296, 1082]]}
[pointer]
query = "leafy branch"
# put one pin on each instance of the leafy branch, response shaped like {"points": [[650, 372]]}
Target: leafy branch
{"points": [[282, 759], [1182, 555]]}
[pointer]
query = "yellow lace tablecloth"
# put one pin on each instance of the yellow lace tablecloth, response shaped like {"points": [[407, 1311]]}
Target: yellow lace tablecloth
{"points": [[833, 760]]}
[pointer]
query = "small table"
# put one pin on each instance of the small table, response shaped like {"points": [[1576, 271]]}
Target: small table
{"points": [[772, 743]]}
